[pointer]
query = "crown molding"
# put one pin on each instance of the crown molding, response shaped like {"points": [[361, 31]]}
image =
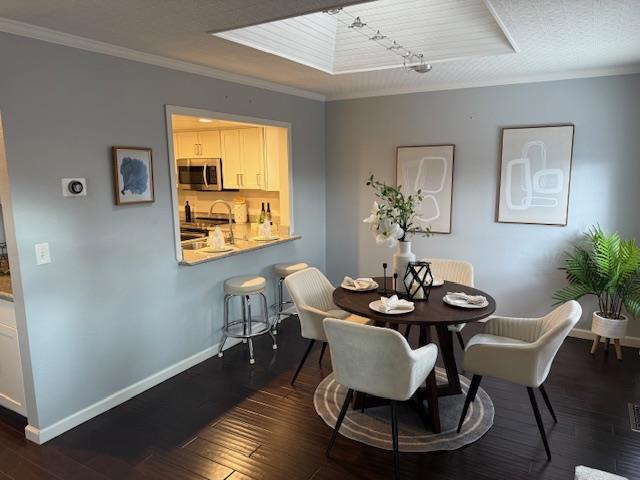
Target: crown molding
{"points": [[436, 87], [82, 43]]}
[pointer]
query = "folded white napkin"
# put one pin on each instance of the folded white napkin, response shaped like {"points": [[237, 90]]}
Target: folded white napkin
{"points": [[394, 303], [472, 299], [216, 238], [359, 283], [264, 230]]}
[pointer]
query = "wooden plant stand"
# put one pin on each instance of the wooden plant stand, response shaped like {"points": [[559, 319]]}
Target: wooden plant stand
{"points": [[616, 343]]}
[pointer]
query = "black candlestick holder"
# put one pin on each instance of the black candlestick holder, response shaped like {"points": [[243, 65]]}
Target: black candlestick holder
{"points": [[383, 290]]}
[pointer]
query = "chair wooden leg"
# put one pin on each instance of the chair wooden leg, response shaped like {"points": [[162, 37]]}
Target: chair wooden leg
{"points": [[324, 347], [536, 413], [304, 358], [616, 342], [471, 395], [394, 438], [596, 344], [343, 412], [546, 400], [460, 339]]}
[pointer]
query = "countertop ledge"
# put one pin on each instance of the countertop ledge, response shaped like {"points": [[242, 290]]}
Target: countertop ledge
{"points": [[191, 258]]}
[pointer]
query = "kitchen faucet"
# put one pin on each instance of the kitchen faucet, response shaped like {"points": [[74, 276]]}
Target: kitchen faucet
{"points": [[228, 205]]}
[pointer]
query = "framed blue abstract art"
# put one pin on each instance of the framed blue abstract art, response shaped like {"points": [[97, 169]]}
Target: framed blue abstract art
{"points": [[132, 175]]}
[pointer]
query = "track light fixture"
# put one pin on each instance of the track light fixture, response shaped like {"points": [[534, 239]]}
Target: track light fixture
{"points": [[412, 62]]}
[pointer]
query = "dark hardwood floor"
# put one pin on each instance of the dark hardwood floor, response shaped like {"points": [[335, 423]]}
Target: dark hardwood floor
{"points": [[225, 419]]}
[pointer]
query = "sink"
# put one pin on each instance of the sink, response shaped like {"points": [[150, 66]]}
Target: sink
{"points": [[194, 245]]}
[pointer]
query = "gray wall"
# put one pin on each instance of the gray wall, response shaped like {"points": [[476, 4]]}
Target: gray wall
{"points": [[515, 263], [114, 306]]}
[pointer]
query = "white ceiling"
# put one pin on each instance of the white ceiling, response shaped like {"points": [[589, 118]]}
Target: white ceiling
{"points": [[186, 122], [556, 39], [440, 30]]}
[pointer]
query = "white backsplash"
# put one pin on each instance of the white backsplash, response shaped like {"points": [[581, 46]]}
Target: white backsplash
{"points": [[200, 202]]}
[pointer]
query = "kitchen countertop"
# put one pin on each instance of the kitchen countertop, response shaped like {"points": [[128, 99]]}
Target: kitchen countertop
{"points": [[6, 291], [195, 257]]}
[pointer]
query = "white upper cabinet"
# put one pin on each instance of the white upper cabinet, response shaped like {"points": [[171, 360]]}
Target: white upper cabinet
{"points": [[276, 152], [252, 154], [205, 144], [231, 163]]}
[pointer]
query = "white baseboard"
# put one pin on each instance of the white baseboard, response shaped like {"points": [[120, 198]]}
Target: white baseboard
{"points": [[43, 435], [589, 335]]}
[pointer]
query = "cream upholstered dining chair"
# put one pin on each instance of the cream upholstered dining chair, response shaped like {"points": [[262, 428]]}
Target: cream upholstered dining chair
{"points": [[312, 294], [377, 361], [457, 271], [519, 350]]}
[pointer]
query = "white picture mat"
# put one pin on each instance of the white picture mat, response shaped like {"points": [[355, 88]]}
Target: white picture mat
{"points": [[535, 175], [428, 168]]}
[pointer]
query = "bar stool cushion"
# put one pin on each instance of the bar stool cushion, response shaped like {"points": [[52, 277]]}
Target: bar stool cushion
{"points": [[285, 269], [244, 285]]}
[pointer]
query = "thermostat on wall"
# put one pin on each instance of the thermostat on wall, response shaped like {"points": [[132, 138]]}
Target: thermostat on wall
{"points": [[74, 187]]}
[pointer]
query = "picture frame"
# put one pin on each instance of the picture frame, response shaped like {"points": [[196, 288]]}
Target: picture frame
{"points": [[535, 174], [132, 175], [430, 169]]}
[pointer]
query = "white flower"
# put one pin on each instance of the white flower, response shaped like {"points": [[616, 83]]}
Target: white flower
{"points": [[373, 217], [389, 232]]}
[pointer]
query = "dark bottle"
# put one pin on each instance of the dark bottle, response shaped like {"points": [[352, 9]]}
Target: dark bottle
{"points": [[187, 212], [269, 214]]}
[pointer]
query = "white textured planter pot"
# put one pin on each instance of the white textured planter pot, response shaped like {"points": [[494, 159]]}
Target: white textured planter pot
{"points": [[401, 259], [608, 327]]}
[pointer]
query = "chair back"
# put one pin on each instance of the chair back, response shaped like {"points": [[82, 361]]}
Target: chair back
{"points": [[554, 328], [457, 271], [377, 361], [310, 288]]}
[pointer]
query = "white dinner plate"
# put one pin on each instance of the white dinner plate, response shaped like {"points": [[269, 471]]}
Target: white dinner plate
{"points": [[373, 286], [264, 239], [216, 250], [375, 306], [458, 302]]}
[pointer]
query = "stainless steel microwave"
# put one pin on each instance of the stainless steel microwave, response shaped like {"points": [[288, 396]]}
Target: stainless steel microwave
{"points": [[200, 174]]}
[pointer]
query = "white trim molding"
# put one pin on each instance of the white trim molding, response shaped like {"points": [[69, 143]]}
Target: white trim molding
{"points": [[82, 43], [43, 435], [589, 335]]}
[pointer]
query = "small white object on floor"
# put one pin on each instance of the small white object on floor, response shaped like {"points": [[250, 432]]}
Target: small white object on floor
{"points": [[394, 303], [216, 239], [359, 283], [586, 473]]}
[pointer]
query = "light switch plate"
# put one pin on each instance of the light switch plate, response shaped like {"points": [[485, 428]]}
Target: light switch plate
{"points": [[43, 255], [67, 192]]}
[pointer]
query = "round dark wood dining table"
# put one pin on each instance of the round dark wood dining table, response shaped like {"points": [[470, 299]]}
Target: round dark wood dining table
{"points": [[433, 312]]}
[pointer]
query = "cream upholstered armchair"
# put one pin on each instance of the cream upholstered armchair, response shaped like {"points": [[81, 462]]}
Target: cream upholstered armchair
{"points": [[457, 271], [312, 294], [519, 350], [377, 361]]}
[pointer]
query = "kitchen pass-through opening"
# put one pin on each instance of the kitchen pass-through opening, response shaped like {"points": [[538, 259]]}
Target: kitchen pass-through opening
{"points": [[230, 175]]}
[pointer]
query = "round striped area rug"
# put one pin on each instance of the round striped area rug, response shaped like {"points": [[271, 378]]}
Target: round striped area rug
{"points": [[373, 427]]}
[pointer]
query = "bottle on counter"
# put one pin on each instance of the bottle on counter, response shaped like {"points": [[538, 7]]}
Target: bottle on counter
{"points": [[263, 214], [268, 216], [187, 212]]}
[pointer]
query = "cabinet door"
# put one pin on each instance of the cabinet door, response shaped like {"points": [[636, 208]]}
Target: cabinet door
{"points": [[252, 154], [231, 160], [11, 383], [275, 152], [210, 141], [188, 144]]}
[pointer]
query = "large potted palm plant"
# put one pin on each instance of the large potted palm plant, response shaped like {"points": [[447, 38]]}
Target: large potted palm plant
{"points": [[607, 267]]}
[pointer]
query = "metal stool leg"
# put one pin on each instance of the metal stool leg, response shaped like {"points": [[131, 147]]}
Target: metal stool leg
{"points": [[226, 323], [251, 359], [244, 318], [249, 329], [265, 310], [280, 299]]}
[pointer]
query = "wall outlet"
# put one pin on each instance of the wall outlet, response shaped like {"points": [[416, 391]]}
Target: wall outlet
{"points": [[74, 187], [43, 255]]}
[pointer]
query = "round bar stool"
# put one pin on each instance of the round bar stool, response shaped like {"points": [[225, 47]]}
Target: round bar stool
{"points": [[247, 327], [283, 270]]}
